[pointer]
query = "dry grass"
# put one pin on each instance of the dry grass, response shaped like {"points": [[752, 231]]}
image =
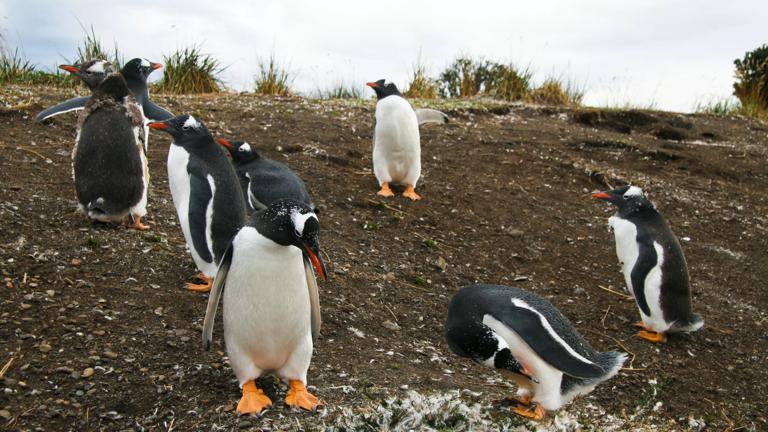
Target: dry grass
{"points": [[421, 86], [273, 79], [467, 77], [341, 90], [189, 71], [15, 68], [554, 92], [91, 49]]}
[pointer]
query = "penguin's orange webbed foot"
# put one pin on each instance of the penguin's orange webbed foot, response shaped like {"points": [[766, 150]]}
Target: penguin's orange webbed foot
{"points": [[640, 325], [299, 397], [524, 400], [135, 223], [385, 191], [652, 336], [203, 287], [411, 193], [254, 401], [533, 412]]}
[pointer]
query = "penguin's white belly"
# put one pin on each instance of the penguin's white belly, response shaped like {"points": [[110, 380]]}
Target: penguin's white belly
{"points": [[547, 390], [266, 305], [140, 208], [627, 250], [179, 183], [397, 149]]}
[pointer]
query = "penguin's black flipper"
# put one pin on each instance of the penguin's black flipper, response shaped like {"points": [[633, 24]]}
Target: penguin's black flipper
{"points": [[73, 104], [155, 112], [538, 333], [199, 198], [215, 296], [646, 260]]}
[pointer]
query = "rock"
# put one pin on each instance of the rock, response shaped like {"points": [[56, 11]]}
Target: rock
{"points": [[75, 262], [110, 354], [50, 293], [441, 263], [87, 372], [5, 414], [44, 347], [65, 369], [390, 325], [389, 277]]}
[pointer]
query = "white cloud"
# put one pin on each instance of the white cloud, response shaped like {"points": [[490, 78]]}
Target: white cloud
{"points": [[672, 53]]}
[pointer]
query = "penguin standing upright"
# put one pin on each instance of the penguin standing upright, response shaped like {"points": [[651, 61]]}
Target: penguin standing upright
{"points": [[396, 145], [653, 264], [92, 72], [268, 307], [263, 180], [529, 341], [205, 191], [109, 166], [136, 72]]}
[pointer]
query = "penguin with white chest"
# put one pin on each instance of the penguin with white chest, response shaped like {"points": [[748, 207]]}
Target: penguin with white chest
{"points": [[109, 166], [263, 180], [653, 264], [526, 338], [269, 309], [396, 141], [206, 194]]}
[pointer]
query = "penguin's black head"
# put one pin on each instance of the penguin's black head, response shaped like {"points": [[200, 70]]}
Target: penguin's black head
{"points": [[186, 130], [629, 199], [241, 151], [139, 69], [291, 223], [383, 89], [92, 72]]}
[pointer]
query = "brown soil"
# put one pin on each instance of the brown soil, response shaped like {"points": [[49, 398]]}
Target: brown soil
{"points": [[505, 200]]}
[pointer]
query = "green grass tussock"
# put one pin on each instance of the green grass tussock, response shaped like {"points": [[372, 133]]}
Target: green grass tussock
{"points": [[273, 78], [91, 48], [467, 77], [190, 71], [421, 86]]}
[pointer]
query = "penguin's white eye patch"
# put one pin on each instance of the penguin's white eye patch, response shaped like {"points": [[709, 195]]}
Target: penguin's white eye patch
{"points": [[299, 220], [245, 147], [190, 122], [145, 63], [97, 67], [633, 191]]}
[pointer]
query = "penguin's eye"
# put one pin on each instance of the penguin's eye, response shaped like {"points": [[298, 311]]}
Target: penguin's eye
{"points": [[625, 197], [297, 233], [242, 149], [185, 128]]}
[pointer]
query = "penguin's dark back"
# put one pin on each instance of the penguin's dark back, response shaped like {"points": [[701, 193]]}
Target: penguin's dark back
{"points": [[107, 159], [496, 300], [275, 180]]}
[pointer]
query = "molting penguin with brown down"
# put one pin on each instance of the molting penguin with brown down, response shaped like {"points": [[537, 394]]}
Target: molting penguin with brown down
{"points": [[653, 264], [109, 166]]}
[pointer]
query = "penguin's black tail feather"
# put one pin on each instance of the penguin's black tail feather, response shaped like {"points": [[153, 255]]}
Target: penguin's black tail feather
{"points": [[611, 362], [100, 209]]}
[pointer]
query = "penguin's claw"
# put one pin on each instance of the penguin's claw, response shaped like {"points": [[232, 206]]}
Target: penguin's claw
{"points": [[410, 193], [652, 336], [254, 401], [299, 397], [533, 412], [203, 287], [135, 223], [385, 191]]}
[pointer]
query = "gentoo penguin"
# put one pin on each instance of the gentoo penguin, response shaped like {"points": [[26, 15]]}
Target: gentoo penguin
{"points": [[92, 72], [205, 191], [109, 166], [396, 146], [529, 341], [263, 180], [269, 309], [135, 73], [653, 264]]}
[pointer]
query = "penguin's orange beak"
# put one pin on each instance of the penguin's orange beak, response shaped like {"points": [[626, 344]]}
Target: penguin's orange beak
{"points": [[156, 66], [157, 125], [371, 84], [601, 195], [225, 143], [70, 69], [316, 261]]}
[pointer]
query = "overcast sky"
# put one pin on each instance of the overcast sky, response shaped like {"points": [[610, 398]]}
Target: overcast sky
{"points": [[668, 53]]}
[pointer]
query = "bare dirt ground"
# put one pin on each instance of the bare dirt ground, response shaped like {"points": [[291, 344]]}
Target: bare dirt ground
{"points": [[97, 332]]}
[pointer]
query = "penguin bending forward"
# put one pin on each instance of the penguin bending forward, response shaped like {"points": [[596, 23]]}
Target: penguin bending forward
{"points": [[653, 264], [530, 342], [270, 310], [263, 180], [396, 145], [205, 192], [109, 166]]}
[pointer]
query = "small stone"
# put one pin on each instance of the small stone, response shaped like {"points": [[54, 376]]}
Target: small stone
{"points": [[389, 277], [44, 347], [110, 354], [390, 325], [65, 369], [87, 372], [441, 263], [75, 262], [99, 332], [50, 293], [245, 424], [25, 306], [5, 414]]}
